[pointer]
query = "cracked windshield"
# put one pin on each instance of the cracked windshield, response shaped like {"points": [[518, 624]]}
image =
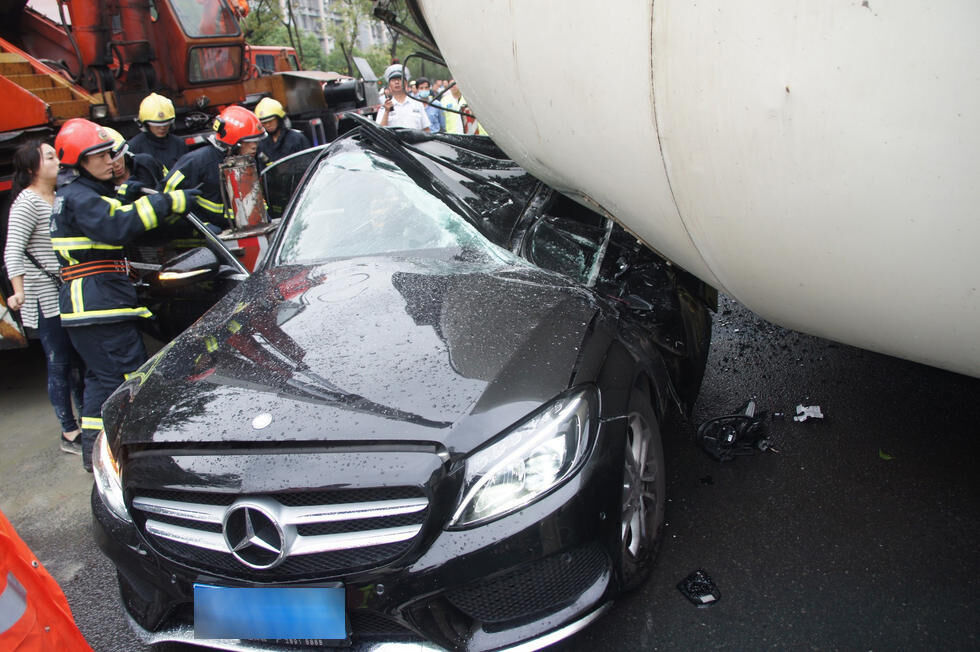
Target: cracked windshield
{"points": [[361, 204]]}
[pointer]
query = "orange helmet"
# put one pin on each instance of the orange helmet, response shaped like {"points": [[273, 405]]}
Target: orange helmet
{"points": [[80, 137], [236, 125]]}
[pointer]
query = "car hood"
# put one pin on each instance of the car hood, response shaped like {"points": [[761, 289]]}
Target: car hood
{"points": [[374, 350]]}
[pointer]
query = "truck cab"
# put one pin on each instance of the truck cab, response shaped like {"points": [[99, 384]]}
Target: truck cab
{"points": [[268, 59]]}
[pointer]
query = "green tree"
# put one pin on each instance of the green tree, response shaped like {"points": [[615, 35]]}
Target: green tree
{"points": [[350, 16]]}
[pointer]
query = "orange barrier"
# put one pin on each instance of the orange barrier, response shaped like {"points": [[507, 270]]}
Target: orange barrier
{"points": [[34, 613]]}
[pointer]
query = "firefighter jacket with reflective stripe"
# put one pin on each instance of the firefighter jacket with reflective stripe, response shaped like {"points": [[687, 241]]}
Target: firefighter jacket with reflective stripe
{"points": [[34, 614], [200, 167], [290, 142], [167, 150], [88, 223]]}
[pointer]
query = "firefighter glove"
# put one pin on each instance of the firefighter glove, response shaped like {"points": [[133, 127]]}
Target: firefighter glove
{"points": [[182, 201]]}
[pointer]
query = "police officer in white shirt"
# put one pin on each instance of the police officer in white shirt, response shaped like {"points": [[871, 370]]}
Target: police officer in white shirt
{"points": [[399, 110]]}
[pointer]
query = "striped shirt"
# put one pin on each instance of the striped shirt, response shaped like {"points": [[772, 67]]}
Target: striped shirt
{"points": [[28, 228]]}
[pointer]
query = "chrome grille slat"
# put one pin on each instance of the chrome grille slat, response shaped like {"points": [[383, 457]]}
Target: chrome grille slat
{"points": [[187, 511], [197, 538], [352, 511], [330, 542]]}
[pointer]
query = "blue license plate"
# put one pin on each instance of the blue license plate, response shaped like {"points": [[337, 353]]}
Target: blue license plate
{"points": [[270, 612]]}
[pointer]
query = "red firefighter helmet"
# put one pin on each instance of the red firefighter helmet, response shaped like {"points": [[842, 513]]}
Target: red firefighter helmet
{"points": [[236, 125], [80, 137]]}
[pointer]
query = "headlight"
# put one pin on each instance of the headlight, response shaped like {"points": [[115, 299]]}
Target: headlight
{"points": [[533, 458], [108, 480]]}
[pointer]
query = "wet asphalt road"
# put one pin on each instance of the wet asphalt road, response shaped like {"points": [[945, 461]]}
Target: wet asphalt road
{"points": [[861, 532]]}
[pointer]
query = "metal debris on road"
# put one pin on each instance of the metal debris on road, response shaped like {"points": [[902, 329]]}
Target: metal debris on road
{"points": [[699, 588], [804, 412], [742, 433]]}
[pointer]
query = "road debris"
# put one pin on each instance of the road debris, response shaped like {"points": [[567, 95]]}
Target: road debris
{"points": [[742, 433], [699, 588], [804, 412]]}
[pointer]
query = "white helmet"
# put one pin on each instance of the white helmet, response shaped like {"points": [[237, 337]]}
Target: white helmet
{"points": [[397, 70]]}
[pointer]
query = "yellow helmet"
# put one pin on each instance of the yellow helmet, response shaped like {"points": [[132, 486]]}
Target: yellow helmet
{"points": [[156, 109], [268, 108], [119, 146]]}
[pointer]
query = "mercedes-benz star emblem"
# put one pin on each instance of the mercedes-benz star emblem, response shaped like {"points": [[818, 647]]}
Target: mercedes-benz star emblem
{"points": [[254, 537]]}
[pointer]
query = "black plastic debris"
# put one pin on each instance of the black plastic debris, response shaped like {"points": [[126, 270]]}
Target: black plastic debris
{"points": [[744, 433], [700, 589]]}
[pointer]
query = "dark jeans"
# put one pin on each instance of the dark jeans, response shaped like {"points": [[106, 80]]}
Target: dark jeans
{"points": [[65, 370], [110, 351]]}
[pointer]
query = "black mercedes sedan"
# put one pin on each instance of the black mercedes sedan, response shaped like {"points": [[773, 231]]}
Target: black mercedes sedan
{"points": [[431, 417]]}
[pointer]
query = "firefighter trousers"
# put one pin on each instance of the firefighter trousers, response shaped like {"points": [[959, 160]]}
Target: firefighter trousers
{"points": [[110, 351]]}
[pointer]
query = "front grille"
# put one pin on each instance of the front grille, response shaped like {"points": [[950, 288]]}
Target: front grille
{"points": [[544, 586], [321, 533]]}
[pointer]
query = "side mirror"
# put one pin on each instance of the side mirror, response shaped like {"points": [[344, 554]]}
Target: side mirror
{"points": [[198, 264]]}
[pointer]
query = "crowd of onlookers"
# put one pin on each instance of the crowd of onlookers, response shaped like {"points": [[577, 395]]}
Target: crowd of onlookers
{"points": [[430, 105]]}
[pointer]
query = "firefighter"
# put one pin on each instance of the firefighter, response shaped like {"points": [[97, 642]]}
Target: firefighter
{"points": [[156, 118], [282, 140], [89, 227], [236, 132], [133, 172]]}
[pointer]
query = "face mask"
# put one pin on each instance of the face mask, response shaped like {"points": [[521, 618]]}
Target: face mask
{"points": [[424, 93]]}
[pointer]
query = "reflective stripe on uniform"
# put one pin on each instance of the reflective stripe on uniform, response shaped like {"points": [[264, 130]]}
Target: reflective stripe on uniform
{"points": [[79, 242], [187, 242], [145, 210], [211, 206], [174, 181], [92, 423], [114, 312], [13, 603], [116, 205], [63, 247], [77, 299], [178, 202]]}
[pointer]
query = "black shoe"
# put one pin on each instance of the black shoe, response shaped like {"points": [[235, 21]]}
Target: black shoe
{"points": [[70, 446]]}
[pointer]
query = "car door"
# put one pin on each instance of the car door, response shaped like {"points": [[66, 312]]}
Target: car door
{"points": [[176, 304]]}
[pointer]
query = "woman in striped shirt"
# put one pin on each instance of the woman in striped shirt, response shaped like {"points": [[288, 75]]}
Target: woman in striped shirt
{"points": [[35, 290]]}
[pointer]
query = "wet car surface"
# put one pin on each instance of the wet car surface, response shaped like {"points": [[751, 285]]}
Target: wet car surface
{"points": [[438, 399]]}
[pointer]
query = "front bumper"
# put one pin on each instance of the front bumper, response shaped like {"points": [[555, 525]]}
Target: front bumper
{"points": [[540, 573], [185, 634]]}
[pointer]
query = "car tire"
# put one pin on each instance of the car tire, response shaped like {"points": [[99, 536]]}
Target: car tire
{"points": [[644, 487]]}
